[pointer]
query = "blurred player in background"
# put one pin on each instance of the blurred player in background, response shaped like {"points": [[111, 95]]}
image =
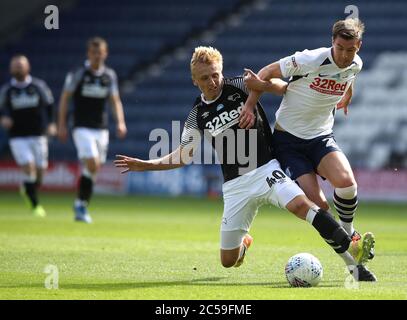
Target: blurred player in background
{"points": [[26, 111], [90, 87], [321, 82], [215, 112]]}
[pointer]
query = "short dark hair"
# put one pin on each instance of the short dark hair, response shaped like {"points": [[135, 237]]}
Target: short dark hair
{"points": [[18, 56], [97, 42], [348, 29]]}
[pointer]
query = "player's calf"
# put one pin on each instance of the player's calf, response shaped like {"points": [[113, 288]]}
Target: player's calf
{"points": [[229, 258], [234, 245], [300, 206]]}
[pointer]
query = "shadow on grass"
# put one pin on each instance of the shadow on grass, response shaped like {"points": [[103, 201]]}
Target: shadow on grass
{"points": [[205, 282]]}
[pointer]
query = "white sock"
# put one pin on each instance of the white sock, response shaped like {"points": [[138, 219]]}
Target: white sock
{"points": [[312, 212], [348, 259], [79, 202], [348, 226]]}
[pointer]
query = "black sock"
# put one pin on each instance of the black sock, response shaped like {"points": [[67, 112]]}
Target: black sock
{"points": [[31, 192], [85, 188], [331, 231], [38, 184]]}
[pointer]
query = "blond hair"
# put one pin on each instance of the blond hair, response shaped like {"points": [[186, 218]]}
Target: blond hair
{"points": [[206, 55], [348, 29]]}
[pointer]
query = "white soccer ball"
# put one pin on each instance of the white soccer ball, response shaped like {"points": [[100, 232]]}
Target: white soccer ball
{"points": [[303, 270]]}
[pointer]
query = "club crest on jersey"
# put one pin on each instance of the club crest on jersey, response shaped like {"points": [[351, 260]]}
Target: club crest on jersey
{"points": [[220, 107], [234, 97], [205, 114]]}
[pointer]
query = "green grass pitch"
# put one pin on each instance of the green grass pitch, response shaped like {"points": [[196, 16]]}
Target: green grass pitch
{"points": [[162, 248]]}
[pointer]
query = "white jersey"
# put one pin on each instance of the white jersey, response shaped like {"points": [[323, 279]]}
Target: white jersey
{"points": [[316, 86]]}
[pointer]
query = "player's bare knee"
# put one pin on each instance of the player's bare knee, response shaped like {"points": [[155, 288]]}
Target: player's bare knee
{"points": [[92, 165], [345, 180], [29, 169]]}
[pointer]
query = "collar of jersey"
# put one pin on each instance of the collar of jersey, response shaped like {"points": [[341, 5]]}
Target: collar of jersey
{"points": [[210, 101], [97, 72], [21, 84]]}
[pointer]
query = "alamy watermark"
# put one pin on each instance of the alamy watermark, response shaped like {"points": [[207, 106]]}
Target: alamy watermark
{"points": [[233, 146], [353, 10], [52, 280], [350, 281], [51, 21]]}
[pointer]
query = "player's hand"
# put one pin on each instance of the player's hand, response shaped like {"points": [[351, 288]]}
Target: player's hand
{"points": [[121, 130], [6, 122], [343, 104], [246, 118], [130, 164], [52, 130], [62, 134], [252, 81]]}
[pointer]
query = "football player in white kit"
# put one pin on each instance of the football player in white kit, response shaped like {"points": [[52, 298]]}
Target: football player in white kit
{"points": [[215, 112], [26, 111], [321, 81]]}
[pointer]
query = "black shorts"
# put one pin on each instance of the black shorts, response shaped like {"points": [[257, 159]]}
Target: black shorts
{"points": [[300, 156]]}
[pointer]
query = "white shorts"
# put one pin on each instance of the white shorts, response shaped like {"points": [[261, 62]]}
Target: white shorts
{"points": [[243, 196], [91, 143], [32, 149]]}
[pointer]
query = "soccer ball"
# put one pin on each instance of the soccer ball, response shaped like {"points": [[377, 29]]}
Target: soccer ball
{"points": [[303, 270]]}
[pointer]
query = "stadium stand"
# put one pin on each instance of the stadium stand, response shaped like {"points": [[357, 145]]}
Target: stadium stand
{"points": [[374, 134], [136, 32], [151, 44]]}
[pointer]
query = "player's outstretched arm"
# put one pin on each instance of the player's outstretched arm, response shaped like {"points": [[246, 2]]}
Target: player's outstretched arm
{"points": [[345, 101], [247, 117], [171, 161], [274, 85], [117, 108], [62, 113], [267, 80], [270, 71], [6, 122]]}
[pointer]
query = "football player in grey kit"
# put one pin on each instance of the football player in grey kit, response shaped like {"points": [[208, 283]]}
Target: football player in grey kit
{"points": [[26, 111], [90, 87]]}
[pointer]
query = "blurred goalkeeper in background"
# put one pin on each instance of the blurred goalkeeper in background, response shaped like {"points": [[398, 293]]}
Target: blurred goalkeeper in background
{"points": [[26, 111], [90, 87]]}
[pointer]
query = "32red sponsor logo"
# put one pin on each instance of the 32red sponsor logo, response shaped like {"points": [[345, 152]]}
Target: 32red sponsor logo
{"points": [[328, 86]]}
